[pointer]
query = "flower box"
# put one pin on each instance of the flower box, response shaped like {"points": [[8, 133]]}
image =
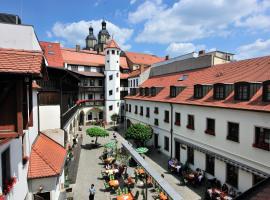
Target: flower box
{"points": [[263, 146], [190, 127], [210, 132], [9, 184], [177, 123]]}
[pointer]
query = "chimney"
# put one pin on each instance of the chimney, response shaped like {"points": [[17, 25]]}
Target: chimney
{"points": [[78, 47], [201, 52], [167, 57]]}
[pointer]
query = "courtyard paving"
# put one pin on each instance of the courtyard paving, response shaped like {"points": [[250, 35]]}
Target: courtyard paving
{"points": [[90, 167]]}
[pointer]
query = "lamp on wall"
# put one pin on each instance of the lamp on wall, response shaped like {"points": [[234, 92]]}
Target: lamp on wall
{"points": [[40, 188]]}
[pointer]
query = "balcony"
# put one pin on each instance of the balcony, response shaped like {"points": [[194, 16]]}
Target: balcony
{"points": [[68, 114], [90, 102], [91, 89]]}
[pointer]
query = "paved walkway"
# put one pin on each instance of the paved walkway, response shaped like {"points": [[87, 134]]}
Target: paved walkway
{"points": [[90, 168]]}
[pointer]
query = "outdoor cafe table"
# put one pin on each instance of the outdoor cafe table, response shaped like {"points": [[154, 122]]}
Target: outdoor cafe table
{"points": [[140, 171], [162, 196], [125, 197], [111, 171], [221, 194], [114, 183]]}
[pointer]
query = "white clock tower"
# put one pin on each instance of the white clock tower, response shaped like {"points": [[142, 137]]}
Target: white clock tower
{"points": [[112, 80]]}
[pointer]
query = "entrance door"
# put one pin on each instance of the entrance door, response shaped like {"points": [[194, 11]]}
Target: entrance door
{"points": [[177, 150], [156, 141]]}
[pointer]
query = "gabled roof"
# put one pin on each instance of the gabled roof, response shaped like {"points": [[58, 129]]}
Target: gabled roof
{"points": [[21, 61], [88, 58], [124, 76], [112, 44], [142, 58], [52, 53], [135, 73], [47, 158], [251, 70]]}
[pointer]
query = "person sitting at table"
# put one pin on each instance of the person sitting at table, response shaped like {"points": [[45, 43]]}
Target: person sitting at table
{"points": [[199, 178], [108, 166], [170, 164], [225, 188], [232, 192]]}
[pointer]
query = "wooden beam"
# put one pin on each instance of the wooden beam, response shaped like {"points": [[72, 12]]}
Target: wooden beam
{"points": [[19, 93]]}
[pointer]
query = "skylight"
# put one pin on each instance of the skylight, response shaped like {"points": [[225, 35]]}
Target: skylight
{"points": [[183, 77]]}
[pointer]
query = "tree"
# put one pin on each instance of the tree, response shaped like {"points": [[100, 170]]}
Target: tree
{"points": [[114, 118], [97, 132], [140, 133]]}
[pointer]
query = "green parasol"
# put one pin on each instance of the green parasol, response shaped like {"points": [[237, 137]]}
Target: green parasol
{"points": [[110, 145], [142, 150]]}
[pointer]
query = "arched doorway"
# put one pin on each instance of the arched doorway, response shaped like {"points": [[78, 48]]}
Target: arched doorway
{"points": [[81, 121]]}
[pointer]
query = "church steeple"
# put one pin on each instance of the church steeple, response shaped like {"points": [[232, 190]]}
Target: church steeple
{"points": [[103, 23], [90, 40]]}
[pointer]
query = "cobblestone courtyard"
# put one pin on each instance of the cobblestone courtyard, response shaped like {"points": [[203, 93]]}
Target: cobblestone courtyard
{"points": [[90, 167]]}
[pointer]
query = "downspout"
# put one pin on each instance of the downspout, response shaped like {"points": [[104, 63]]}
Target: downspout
{"points": [[171, 130]]}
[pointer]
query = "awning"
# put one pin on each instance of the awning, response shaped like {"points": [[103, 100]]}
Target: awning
{"points": [[224, 159]]}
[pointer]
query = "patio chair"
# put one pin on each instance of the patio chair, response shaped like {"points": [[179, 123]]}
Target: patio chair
{"points": [[107, 186], [125, 190]]}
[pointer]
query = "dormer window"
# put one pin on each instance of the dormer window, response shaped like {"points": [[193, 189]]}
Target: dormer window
{"points": [[221, 90], [153, 91], [201, 90], [175, 90], [266, 91], [141, 91], [244, 91], [146, 91]]}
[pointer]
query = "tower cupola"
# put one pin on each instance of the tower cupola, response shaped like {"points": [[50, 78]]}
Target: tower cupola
{"points": [[90, 40]]}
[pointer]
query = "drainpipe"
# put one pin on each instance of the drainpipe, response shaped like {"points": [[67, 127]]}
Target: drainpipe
{"points": [[171, 130]]}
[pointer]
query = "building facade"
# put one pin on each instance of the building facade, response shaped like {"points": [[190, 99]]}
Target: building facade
{"points": [[215, 118]]}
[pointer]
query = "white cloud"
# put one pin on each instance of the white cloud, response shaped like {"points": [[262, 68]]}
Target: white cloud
{"points": [[132, 1], [76, 32], [187, 20], [256, 22], [258, 48], [49, 34], [178, 49], [146, 10]]}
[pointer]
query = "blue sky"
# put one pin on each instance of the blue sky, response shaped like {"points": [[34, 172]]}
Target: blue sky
{"points": [[159, 27]]}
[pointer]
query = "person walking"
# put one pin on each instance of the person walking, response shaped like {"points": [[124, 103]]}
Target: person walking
{"points": [[92, 191]]}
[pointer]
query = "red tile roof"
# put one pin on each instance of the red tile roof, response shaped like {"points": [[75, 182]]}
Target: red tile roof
{"points": [[88, 58], [21, 61], [124, 76], [112, 44], [251, 70], [142, 58], [47, 158], [135, 73], [90, 74], [52, 52]]}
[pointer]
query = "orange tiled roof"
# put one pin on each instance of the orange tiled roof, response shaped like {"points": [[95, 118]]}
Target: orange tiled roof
{"points": [[142, 58], [112, 44], [20, 61], [52, 52], [124, 76], [135, 73], [251, 70], [88, 58], [47, 158]]}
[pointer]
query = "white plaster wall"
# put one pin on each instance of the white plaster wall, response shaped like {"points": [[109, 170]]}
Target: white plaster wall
{"points": [[18, 37], [245, 180], [50, 117], [49, 184], [242, 152], [20, 189]]}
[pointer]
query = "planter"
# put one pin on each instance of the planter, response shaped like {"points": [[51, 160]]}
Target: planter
{"points": [[9, 184]]}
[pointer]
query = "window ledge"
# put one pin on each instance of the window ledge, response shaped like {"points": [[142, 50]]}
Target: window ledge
{"points": [[210, 132], [177, 123], [262, 146], [232, 139], [166, 121], [190, 127]]}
